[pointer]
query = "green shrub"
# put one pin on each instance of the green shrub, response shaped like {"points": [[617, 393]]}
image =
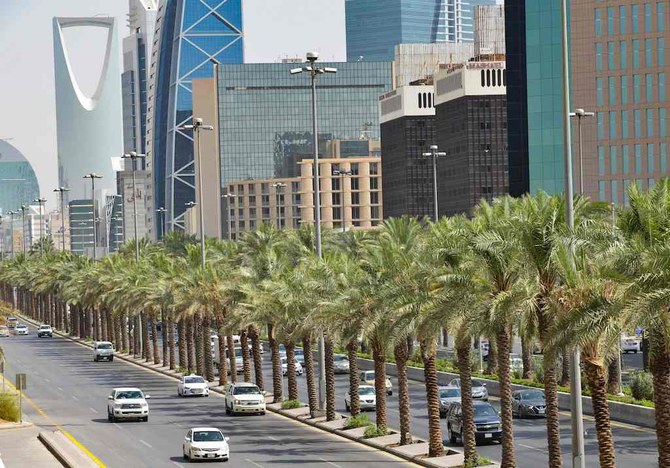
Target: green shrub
{"points": [[641, 386], [362, 420], [291, 404], [538, 371], [374, 431], [481, 461], [9, 407]]}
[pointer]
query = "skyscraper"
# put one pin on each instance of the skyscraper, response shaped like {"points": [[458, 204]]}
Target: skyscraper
{"points": [[18, 184], [191, 35]]}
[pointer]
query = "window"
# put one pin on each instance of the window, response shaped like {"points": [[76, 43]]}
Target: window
{"points": [[599, 57], [601, 190], [335, 183], [637, 123], [374, 212], [374, 183], [622, 19], [651, 183], [648, 52], [598, 23], [625, 163], [660, 46], [252, 200], [355, 212], [610, 21], [612, 116], [626, 184], [601, 160], [638, 159], [635, 19], [624, 90], [624, 124], [355, 198], [599, 91], [611, 81], [622, 54], [354, 183], [650, 122], [374, 169], [611, 55], [252, 212], [265, 200], [662, 131], [647, 17], [613, 160], [337, 213], [636, 53], [636, 88], [660, 26], [336, 199], [374, 198], [601, 125], [661, 86], [650, 158], [615, 190], [663, 156], [649, 87]]}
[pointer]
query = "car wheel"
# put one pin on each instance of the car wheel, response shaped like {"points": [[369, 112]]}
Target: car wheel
{"points": [[110, 416], [443, 415], [95, 358], [390, 392], [346, 405], [635, 351], [145, 419], [185, 456], [111, 359]]}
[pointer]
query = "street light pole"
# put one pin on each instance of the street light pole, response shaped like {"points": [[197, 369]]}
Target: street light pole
{"points": [[434, 153], [61, 191], [229, 196], [93, 176], [278, 188], [11, 231], [133, 156], [23, 226], [342, 174], [41, 202], [161, 217], [2, 241], [580, 114]]}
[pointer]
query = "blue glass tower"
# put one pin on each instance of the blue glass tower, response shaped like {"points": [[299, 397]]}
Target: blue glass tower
{"points": [[191, 36]]}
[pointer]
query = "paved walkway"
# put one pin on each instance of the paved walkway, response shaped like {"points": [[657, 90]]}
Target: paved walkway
{"points": [[20, 448]]}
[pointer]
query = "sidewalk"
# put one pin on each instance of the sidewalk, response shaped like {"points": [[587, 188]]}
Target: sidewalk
{"points": [[19, 447]]}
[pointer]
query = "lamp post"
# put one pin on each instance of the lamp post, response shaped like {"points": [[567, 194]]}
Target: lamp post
{"points": [[2, 241], [434, 153], [581, 114], [577, 423], [61, 191], [11, 231], [133, 156], [229, 197], [197, 127], [41, 202], [315, 71], [342, 175], [161, 218], [93, 176], [23, 226], [278, 188]]}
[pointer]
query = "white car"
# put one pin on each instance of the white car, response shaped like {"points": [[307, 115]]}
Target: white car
{"points": [[244, 397], [192, 385], [284, 367], [341, 363], [205, 443], [103, 350], [368, 377], [630, 344], [21, 329], [366, 396], [479, 390], [127, 403]]}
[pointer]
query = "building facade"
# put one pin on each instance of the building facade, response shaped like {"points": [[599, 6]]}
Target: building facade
{"points": [[131, 199], [407, 116], [413, 62], [190, 36], [82, 227], [18, 184], [89, 128], [471, 128]]}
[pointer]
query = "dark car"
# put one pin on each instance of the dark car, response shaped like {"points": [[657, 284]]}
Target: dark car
{"points": [[529, 403], [488, 426]]}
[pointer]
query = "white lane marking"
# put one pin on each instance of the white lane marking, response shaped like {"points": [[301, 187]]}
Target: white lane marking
{"points": [[117, 426], [253, 463], [532, 448], [145, 443], [93, 409], [178, 464], [75, 398], [330, 463], [59, 389], [273, 438], [47, 380]]}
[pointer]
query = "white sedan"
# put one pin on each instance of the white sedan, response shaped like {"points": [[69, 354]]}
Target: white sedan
{"points": [[366, 396], [21, 330], [630, 344], [205, 443], [192, 385], [284, 367]]}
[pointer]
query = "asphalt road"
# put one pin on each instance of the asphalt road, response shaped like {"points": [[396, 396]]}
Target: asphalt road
{"points": [[71, 391], [635, 446]]}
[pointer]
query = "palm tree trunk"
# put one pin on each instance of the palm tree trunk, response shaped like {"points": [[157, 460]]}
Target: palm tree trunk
{"points": [[613, 376], [276, 365], [565, 368], [246, 359], [256, 352], [527, 357], [111, 328], [312, 398], [183, 338], [232, 357], [207, 347], [199, 345], [154, 340], [428, 354], [595, 376], [103, 320], [221, 342], [492, 358], [465, 372], [551, 398], [329, 349], [290, 370], [165, 340], [659, 365], [146, 347], [379, 357], [170, 337], [125, 337], [354, 397], [190, 354], [401, 354], [504, 341]]}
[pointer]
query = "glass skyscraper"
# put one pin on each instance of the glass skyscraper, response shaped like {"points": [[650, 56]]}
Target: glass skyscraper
{"points": [[191, 36], [18, 184]]}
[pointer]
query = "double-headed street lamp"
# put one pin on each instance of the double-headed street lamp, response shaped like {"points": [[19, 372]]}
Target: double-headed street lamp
{"points": [[133, 156], [61, 191], [41, 202], [434, 153], [161, 221], [93, 176], [11, 231], [279, 186], [2, 240], [581, 114], [315, 71], [23, 208], [229, 198], [342, 175]]}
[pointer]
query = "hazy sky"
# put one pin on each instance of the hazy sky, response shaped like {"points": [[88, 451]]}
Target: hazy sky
{"points": [[273, 29]]}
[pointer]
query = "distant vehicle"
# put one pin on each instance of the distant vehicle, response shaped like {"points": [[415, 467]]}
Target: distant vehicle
{"points": [[284, 366], [127, 403], [630, 344], [488, 426], [22, 329], [12, 322], [515, 363], [205, 443], [484, 348], [103, 350], [341, 363], [244, 397], [529, 403], [367, 398], [448, 395], [300, 356], [192, 385], [282, 350], [479, 390], [45, 330], [368, 377], [4, 330], [537, 348]]}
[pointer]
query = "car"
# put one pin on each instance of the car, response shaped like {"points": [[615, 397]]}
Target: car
{"points": [[529, 403], [479, 390], [367, 398], [341, 363], [4, 330], [127, 403], [368, 377], [244, 397], [515, 363], [12, 322], [45, 330], [284, 366], [448, 395], [192, 385], [22, 329], [488, 426], [282, 350], [630, 344], [205, 443], [300, 356], [103, 350]]}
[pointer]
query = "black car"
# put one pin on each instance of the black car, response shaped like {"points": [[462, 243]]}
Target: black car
{"points": [[488, 426], [529, 403]]}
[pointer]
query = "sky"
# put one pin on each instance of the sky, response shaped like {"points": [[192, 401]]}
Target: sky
{"points": [[273, 29]]}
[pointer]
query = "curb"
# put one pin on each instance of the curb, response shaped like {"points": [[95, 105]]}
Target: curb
{"points": [[65, 452]]}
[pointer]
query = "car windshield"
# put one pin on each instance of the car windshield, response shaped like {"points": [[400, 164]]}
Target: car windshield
{"points": [[194, 380], [450, 393], [299, 352], [45, 327], [369, 376], [105, 346], [246, 390], [532, 395], [477, 383], [366, 391], [129, 394], [21, 326], [339, 357], [207, 436], [485, 410], [13, 319]]}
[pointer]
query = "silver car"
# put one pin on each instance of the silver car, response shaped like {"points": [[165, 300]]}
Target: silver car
{"points": [[448, 395], [103, 350], [366, 396], [479, 390], [341, 363]]}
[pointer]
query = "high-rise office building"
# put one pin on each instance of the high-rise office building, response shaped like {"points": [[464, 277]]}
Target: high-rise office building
{"points": [[82, 230], [415, 62], [18, 184], [375, 27], [89, 128], [191, 35]]}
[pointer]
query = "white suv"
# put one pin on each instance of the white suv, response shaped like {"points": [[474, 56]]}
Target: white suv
{"points": [[244, 397], [127, 403], [103, 350]]}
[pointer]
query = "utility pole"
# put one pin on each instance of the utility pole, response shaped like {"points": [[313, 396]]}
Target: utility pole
{"points": [[93, 176], [434, 153], [61, 191]]}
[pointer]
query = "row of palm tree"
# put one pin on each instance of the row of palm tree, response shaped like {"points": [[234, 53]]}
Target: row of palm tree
{"points": [[511, 269]]}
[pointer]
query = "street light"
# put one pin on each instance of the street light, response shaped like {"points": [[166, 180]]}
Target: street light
{"points": [[41, 202], [133, 156], [580, 114], [2, 241], [229, 197], [93, 176], [23, 226], [161, 218], [197, 127], [11, 232], [314, 71], [434, 153], [342, 175], [61, 191], [278, 188]]}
